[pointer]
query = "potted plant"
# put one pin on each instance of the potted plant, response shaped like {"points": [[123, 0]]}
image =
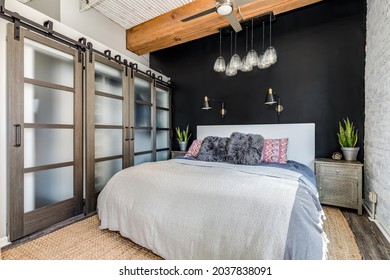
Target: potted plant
{"points": [[183, 136], [348, 137]]}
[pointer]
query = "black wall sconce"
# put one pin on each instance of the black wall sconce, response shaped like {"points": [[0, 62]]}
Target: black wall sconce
{"points": [[206, 106], [272, 99]]}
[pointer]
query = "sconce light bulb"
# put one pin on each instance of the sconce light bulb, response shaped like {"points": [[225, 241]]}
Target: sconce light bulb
{"points": [[206, 105], [223, 111], [279, 109]]}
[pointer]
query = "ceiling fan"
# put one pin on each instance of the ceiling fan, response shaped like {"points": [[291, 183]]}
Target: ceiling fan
{"points": [[224, 8]]}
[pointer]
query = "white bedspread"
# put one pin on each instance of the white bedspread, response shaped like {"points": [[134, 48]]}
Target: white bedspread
{"points": [[183, 209]]}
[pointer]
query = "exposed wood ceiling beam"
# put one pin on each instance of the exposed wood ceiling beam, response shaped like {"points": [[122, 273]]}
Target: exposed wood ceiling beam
{"points": [[168, 30]]}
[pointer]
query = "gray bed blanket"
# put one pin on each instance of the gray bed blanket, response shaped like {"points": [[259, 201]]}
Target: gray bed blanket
{"points": [[183, 209]]}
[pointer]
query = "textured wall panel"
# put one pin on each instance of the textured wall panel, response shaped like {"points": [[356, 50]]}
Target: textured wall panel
{"points": [[377, 107]]}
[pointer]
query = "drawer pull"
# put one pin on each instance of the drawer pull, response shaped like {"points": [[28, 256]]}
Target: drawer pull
{"points": [[337, 171]]}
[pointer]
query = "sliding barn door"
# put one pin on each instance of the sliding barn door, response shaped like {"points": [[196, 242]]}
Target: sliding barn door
{"points": [[142, 119], [108, 132], [150, 119], [45, 132], [163, 122]]}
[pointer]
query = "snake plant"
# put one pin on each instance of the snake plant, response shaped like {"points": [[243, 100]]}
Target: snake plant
{"points": [[183, 135], [348, 135]]}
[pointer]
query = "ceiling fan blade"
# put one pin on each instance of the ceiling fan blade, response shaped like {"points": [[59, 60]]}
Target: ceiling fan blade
{"points": [[234, 22], [209, 11], [239, 3]]}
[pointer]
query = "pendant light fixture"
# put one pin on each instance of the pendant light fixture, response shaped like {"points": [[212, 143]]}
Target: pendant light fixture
{"points": [[235, 61], [219, 65], [262, 63], [246, 67], [270, 53], [231, 71], [252, 54], [264, 59]]}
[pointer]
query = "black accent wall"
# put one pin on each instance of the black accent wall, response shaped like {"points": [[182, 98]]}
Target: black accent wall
{"points": [[319, 74]]}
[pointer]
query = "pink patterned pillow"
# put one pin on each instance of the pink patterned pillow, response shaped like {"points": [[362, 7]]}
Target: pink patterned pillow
{"points": [[275, 150], [193, 151]]}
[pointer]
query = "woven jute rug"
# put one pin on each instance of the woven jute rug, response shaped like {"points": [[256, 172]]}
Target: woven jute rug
{"points": [[84, 240], [342, 244]]}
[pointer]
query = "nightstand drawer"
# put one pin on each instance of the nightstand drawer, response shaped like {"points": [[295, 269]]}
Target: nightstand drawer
{"points": [[340, 170]]}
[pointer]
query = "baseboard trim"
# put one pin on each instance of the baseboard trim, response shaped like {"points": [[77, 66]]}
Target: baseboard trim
{"points": [[383, 229], [4, 241], [369, 212]]}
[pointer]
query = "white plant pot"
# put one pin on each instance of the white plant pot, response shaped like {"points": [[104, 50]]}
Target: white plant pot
{"points": [[183, 146], [350, 153]]}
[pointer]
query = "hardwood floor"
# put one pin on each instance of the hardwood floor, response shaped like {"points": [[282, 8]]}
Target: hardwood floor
{"points": [[370, 240]]}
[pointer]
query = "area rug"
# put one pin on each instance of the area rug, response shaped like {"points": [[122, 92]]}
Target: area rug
{"points": [[84, 240], [342, 244]]}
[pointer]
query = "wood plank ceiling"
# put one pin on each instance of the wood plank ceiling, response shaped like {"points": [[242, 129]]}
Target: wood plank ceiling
{"points": [[168, 29]]}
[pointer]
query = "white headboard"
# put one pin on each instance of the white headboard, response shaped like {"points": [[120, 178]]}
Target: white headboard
{"points": [[301, 137]]}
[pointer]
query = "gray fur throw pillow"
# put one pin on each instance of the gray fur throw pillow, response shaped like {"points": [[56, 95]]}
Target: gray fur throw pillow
{"points": [[213, 149], [245, 149]]}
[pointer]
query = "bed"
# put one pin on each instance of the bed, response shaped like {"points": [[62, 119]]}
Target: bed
{"points": [[186, 208]]}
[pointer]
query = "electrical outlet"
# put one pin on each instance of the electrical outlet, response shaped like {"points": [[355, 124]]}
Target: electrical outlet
{"points": [[373, 197]]}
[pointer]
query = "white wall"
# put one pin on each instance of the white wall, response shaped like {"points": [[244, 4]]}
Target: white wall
{"points": [[103, 33], [98, 27], [377, 108], [3, 123], [50, 8]]}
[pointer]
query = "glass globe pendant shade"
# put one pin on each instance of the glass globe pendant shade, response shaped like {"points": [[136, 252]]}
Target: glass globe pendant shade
{"points": [[262, 63], [220, 65], [235, 62], [271, 56], [270, 53], [252, 57], [230, 71], [246, 67]]}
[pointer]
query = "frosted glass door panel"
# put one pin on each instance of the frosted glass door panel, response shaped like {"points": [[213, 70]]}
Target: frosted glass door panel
{"points": [[44, 63], [47, 146], [162, 119], [143, 117], [47, 187], [104, 171], [142, 158], [142, 90], [163, 155], [162, 137], [108, 142], [162, 98], [108, 111], [47, 106], [108, 79], [142, 140]]}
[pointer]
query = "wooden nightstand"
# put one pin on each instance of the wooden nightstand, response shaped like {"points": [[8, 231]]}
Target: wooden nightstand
{"points": [[177, 153], [340, 183]]}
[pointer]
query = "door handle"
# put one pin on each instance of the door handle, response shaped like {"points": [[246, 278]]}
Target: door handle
{"points": [[18, 135], [132, 133], [127, 132]]}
